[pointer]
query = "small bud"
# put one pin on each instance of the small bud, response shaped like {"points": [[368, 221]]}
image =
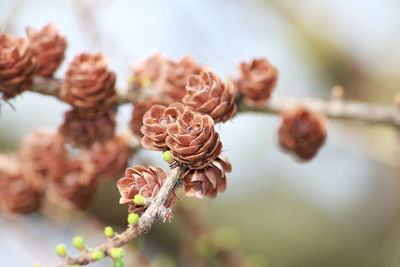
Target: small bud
{"points": [[78, 242], [37, 265], [117, 253], [97, 255], [108, 231], [133, 218], [132, 79], [229, 78], [118, 263], [61, 250], [145, 82], [167, 156], [139, 200]]}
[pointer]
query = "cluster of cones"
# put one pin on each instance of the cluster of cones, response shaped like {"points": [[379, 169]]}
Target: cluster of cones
{"points": [[43, 165]]}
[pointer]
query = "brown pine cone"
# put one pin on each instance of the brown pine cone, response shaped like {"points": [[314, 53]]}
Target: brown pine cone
{"points": [[174, 75], [193, 140], [257, 80], [48, 47], [17, 195], [141, 181], [155, 122], [43, 157], [302, 132], [208, 181], [109, 159], [84, 127], [77, 186], [207, 94], [88, 83], [148, 70], [138, 111], [17, 65]]}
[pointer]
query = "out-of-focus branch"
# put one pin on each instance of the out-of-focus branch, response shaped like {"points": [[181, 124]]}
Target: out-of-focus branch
{"points": [[145, 222], [385, 114]]}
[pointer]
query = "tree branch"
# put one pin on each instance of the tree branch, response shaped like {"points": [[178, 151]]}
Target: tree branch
{"points": [[145, 222], [332, 108]]}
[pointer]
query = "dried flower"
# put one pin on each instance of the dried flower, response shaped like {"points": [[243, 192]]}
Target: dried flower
{"points": [[84, 127], [107, 159], [17, 65], [43, 157], [257, 80], [173, 77], [207, 94], [155, 122], [208, 181], [302, 132], [88, 83], [139, 109], [142, 181], [77, 186], [193, 140], [17, 195], [48, 47]]}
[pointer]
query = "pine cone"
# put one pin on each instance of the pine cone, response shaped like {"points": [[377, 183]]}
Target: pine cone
{"points": [[302, 132], [139, 109], [174, 75], [193, 141], [77, 186], [88, 83], [17, 195], [207, 94], [17, 65], [149, 69], [155, 122], [48, 47], [257, 80], [141, 181], [208, 181], [43, 157], [84, 128], [109, 159]]}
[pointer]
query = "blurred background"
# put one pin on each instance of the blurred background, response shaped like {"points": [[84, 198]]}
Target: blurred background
{"points": [[340, 209]]}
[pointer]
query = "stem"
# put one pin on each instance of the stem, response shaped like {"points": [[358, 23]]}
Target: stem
{"points": [[144, 225], [385, 114]]}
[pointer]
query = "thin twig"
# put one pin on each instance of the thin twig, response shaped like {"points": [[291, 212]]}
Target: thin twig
{"points": [[144, 225], [386, 114]]}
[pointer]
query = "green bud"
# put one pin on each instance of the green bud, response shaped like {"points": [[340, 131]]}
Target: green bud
{"points": [[108, 231], [97, 255], [133, 218], [117, 253], [78, 242], [167, 156], [145, 82], [139, 200], [118, 263], [61, 250], [37, 265]]}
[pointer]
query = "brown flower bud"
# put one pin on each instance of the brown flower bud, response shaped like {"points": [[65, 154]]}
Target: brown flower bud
{"points": [[208, 181], [257, 80], [43, 157], [88, 83], [17, 65], [84, 127], [142, 181], [77, 186], [138, 111], [48, 47], [149, 69], [192, 140], [155, 122], [302, 132], [207, 94], [174, 75], [108, 159], [17, 195]]}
